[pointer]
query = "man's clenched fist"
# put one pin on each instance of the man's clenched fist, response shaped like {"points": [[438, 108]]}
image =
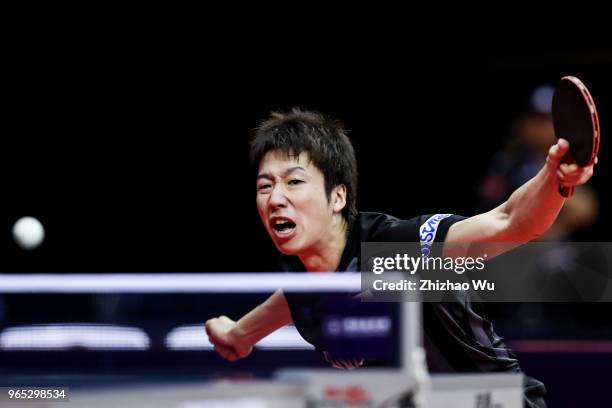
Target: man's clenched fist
{"points": [[228, 343]]}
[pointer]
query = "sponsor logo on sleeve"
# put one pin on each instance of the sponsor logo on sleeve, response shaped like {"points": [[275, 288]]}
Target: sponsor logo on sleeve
{"points": [[427, 232]]}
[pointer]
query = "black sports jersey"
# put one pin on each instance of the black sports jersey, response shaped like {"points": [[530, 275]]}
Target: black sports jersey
{"points": [[456, 336]]}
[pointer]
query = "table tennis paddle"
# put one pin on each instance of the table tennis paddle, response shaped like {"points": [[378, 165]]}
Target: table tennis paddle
{"points": [[575, 119]]}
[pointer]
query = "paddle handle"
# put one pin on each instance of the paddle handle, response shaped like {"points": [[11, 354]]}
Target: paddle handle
{"points": [[566, 191]]}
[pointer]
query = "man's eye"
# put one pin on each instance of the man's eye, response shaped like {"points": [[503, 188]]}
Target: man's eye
{"points": [[295, 182], [263, 187]]}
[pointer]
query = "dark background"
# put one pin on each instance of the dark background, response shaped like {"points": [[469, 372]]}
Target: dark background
{"points": [[133, 152], [136, 159]]}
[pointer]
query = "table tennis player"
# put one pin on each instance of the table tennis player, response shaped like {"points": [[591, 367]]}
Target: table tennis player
{"points": [[306, 181]]}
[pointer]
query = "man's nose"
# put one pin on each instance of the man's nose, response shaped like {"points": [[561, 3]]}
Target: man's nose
{"points": [[278, 197]]}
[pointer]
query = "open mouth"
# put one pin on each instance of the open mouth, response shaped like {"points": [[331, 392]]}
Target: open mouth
{"points": [[283, 226]]}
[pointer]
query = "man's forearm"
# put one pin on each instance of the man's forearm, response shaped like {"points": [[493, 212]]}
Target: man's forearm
{"points": [[533, 208], [264, 319]]}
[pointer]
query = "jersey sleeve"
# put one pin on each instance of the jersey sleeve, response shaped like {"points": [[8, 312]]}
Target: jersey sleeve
{"points": [[425, 229]]}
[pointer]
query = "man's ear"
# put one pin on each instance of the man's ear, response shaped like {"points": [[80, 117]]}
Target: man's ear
{"points": [[338, 198]]}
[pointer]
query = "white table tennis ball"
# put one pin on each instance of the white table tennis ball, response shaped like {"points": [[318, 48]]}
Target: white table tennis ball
{"points": [[28, 232]]}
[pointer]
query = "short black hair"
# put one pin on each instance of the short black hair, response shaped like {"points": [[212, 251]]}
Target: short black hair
{"points": [[325, 140]]}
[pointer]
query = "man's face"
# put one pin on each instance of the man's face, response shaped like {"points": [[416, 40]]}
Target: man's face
{"points": [[292, 203]]}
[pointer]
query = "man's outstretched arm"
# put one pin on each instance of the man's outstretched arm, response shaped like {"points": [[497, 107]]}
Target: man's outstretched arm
{"points": [[528, 213], [235, 340]]}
